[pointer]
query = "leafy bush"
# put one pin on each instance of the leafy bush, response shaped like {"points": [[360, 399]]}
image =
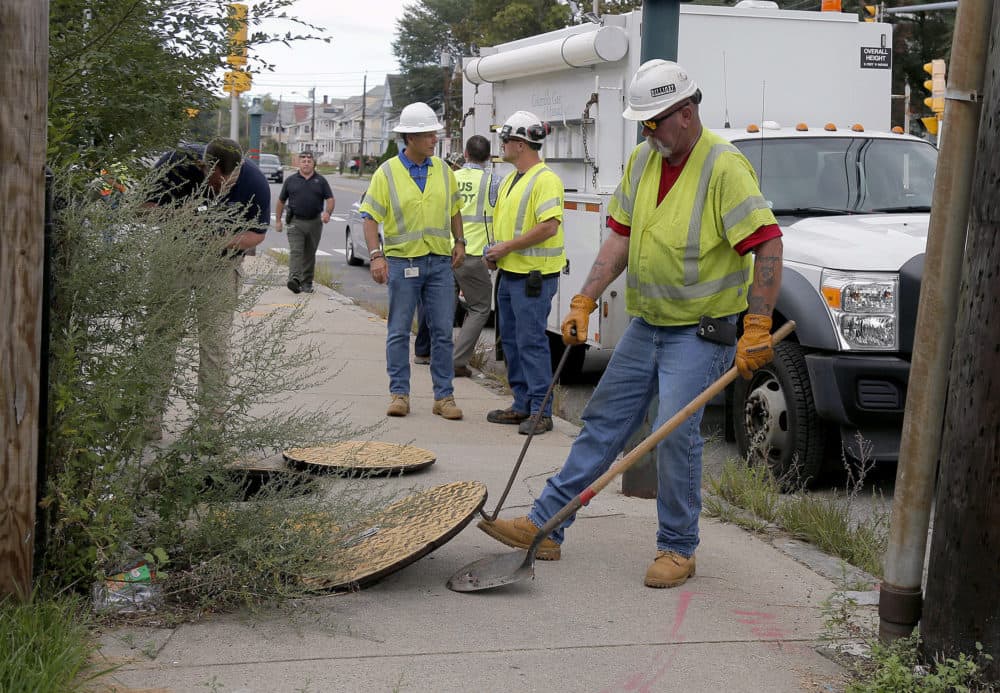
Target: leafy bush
{"points": [[129, 284]]}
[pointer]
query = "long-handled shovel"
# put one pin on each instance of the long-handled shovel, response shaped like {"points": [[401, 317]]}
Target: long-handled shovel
{"points": [[490, 572], [534, 426]]}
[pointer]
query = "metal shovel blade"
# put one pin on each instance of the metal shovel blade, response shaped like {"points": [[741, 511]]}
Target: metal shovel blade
{"points": [[493, 571]]}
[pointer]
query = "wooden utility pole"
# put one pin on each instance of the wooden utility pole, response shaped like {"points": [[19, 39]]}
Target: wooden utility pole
{"points": [[24, 48], [962, 602]]}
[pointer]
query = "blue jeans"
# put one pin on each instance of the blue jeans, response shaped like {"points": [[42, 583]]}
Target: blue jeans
{"points": [[525, 343], [676, 364], [434, 288]]}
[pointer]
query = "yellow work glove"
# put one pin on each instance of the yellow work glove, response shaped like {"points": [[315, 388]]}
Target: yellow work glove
{"points": [[574, 327], [754, 348]]}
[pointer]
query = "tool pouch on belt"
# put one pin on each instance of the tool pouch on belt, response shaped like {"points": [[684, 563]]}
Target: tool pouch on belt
{"points": [[288, 214], [533, 285]]}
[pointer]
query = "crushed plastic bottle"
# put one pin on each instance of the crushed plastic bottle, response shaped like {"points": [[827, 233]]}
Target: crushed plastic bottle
{"points": [[134, 590]]}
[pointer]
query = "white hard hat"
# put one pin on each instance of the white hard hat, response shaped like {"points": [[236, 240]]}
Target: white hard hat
{"points": [[418, 117], [526, 126], [656, 86]]}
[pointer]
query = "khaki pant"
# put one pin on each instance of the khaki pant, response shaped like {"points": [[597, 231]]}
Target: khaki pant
{"points": [[213, 301]]}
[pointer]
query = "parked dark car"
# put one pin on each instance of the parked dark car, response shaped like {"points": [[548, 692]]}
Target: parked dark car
{"points": [[270, 166]]}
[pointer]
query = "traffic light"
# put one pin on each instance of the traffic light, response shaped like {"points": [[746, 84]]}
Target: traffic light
{"points": [[869, 13], [935, 85], [237, 35], [931, 123], [236, 80]]}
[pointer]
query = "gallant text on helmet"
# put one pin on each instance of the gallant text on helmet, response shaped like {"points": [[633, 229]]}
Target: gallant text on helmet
{"points": [[665, 89]]}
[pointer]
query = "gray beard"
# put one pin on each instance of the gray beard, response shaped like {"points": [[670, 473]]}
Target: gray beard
{"points": [[659, 147]]}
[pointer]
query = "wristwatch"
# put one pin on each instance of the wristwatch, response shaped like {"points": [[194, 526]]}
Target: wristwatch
{"points": [[463, 241]]}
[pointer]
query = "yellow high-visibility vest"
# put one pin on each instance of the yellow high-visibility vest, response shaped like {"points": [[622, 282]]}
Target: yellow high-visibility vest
{"points": [[536, 196], [682, 263], [477, 212], [414, 223]]}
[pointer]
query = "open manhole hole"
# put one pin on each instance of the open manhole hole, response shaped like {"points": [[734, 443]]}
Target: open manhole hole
{"points": [[402, 533], [256, 478], [361, 457]]}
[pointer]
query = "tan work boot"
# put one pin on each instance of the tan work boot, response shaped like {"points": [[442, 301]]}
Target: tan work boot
{"points": [[399, 406], [447, 408], [669, 569], [519, 533]]}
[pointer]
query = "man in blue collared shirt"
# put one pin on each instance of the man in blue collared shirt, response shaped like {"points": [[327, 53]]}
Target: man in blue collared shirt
{"points": [[419, 221]]}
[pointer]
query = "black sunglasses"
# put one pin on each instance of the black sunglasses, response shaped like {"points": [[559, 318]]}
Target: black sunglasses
{"points": [[653, 122]]}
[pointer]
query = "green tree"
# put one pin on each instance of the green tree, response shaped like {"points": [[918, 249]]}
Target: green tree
{"points": [[430, 28], [122, 73]]}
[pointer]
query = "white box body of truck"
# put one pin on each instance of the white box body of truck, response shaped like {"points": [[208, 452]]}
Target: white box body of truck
{"points": [[860, 228]]}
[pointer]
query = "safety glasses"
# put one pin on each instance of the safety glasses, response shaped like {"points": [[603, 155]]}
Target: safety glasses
{"points": [[654, 122]]}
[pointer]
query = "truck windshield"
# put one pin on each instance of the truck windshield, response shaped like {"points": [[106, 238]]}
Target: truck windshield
{"points": [[843, 175]]}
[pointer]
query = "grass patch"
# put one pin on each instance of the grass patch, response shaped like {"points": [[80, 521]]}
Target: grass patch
{"points": [[753, 489], [379, 309], [45, 645], [827, 523], [750, 496]]}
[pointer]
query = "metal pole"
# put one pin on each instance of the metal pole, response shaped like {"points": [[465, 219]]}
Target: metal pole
{"points": [[364, 104], [234, 116], [660, 22], [901, 602]]}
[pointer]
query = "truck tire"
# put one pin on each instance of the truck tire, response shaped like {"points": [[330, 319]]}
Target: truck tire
{"points": [[775, 419], [574, 364]]}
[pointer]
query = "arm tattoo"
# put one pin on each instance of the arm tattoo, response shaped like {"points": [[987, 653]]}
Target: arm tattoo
{"points": [[602, 273], [764, 270]]}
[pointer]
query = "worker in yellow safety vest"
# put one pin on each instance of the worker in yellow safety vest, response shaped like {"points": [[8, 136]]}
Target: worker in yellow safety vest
{"points": [[414, 196], [478, 189], [684, 218], [529, 254]]}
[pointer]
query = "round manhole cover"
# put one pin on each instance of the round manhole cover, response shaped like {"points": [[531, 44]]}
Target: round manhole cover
{"points": [[400, 534], [361, 457]]}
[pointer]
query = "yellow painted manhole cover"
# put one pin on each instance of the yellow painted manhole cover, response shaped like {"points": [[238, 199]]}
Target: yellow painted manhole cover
{"points": [[404, 532], [361, 457]]}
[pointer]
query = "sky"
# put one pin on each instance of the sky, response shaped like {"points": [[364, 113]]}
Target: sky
{"points": [[362, 32]]}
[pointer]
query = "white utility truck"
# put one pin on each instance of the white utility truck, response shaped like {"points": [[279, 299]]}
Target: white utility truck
{"points": [[806, 97]]}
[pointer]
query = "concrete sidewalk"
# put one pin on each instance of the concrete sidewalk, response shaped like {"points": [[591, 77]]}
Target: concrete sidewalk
{"points": [[749, 621]]}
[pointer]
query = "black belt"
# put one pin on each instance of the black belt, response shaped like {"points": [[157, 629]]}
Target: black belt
{"points": [[299, 216], [520, 275]]}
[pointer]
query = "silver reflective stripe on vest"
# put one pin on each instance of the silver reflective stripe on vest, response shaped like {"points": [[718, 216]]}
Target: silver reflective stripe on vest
{"points": [[376, 206], [687, 293], [448, 201], [627, 202], [742, 211], [484, 190], [693, 249], [522, 210]]}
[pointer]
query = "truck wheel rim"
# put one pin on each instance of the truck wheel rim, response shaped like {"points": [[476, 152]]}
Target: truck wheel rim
{"points": [[766, 422]]}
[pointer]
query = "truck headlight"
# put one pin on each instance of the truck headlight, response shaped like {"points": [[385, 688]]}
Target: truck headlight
{"points": [[864, 308]]}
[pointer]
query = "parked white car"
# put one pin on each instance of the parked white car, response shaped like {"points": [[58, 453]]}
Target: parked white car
{"points": [[355, 246]]}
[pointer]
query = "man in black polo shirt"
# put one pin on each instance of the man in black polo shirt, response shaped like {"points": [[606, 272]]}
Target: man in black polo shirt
{"points": [[310, 200]]}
